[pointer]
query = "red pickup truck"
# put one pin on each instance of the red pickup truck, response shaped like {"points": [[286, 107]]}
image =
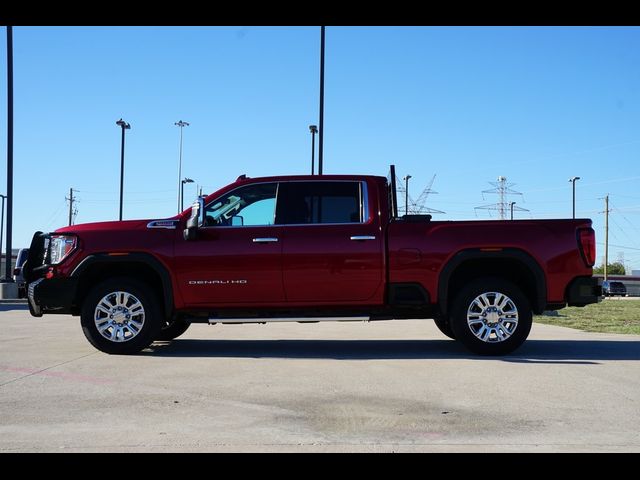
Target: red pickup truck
{"points": [[309, 248]]}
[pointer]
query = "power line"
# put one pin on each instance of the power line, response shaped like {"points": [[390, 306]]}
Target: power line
{"points": [[55, 214], [629, 222], [128, 192], [619, 227], [620, 246]]}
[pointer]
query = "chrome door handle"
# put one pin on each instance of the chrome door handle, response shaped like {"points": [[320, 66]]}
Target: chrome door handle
{"points": [[363, 237], [265, 240]]}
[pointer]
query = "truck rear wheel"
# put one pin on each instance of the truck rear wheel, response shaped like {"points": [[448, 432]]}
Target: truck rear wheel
{"points": [[121, 316], [491, 316]]}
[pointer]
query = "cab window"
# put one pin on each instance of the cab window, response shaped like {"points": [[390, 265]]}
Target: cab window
{"points": [[318, 202], [251, 205]]}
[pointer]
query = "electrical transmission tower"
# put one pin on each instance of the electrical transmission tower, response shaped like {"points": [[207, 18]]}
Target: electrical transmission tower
{"points": [[415, 207], [503, 189], [621, 261]]}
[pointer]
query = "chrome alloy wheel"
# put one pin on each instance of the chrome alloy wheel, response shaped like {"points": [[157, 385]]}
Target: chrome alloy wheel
{"points": [[492, 317], [119, 316]]}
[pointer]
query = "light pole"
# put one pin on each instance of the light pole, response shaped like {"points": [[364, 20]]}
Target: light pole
{"points": [[511, 204], [124, 126], [185, 180], [321, 135], [573, 181], [8, 277], [313, 129], [406, 194], [2, 228], [180, 124]]}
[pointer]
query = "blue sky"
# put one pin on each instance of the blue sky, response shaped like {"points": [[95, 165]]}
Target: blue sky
{"points": [[467, 104]]}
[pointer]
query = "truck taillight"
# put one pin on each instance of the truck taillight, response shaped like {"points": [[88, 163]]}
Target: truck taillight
{"points": [[587, 243]]}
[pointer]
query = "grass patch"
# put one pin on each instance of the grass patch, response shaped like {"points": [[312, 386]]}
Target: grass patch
{"points": [[612, 315]]}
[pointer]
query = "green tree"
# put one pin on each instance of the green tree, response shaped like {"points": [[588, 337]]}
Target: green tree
{"points": [[615, 268]]}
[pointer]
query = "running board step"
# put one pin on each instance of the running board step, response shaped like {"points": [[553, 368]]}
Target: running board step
{"points": [[288, 319]]}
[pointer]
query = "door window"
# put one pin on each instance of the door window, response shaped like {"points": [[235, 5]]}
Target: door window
{"points": [[321, 202], [252, 205]]}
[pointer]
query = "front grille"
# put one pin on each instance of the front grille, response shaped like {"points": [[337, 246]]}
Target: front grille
{"points": [[33, 268]]}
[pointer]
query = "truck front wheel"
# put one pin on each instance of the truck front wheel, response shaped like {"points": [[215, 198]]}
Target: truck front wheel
{"points": [[172, 329], [444, 325], [491, 316], [121, 316]]}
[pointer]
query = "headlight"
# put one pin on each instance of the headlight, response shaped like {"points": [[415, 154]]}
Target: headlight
{"points": [[60, 247]]}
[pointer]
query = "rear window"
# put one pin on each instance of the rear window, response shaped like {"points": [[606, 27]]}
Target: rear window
{"points": [[617, 284]]}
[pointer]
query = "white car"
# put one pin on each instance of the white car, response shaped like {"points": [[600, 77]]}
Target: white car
{"points": [[23, 254]]}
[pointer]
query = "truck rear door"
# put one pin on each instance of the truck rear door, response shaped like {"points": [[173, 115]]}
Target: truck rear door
{"points": [[332, 247]]}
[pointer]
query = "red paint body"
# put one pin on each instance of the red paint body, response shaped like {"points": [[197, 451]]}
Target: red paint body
{"points": [[319, 265]]}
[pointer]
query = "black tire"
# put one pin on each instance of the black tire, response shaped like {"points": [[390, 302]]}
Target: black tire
{"points": [[136, 321], [173, 329], [444, 325], [488, 324]]}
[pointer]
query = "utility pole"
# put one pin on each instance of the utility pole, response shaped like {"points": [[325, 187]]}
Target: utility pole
{"points": [[71, 200], [606, 234]]}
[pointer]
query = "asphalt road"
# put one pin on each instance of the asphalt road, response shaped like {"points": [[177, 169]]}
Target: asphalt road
{"points": [[346, 387]]}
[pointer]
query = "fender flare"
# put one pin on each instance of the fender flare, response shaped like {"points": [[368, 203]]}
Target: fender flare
{"points": [[135, 257], [521, 256]]}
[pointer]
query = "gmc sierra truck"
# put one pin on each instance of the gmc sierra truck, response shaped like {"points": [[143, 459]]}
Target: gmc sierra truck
{"points": [[306, 249]]}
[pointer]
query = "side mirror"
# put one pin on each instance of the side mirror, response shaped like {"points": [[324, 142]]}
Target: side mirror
{"points": [[237, 221], [195, 221]]}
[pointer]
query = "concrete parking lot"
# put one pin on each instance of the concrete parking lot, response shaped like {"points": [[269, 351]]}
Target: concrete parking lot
{"points": [[375, 387]]}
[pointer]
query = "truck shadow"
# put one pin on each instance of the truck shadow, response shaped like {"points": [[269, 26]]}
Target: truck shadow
{"points": [[6, 307], [533, 351]]}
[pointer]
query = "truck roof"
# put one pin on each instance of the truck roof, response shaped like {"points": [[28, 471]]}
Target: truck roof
{"points": [[243, 178]]}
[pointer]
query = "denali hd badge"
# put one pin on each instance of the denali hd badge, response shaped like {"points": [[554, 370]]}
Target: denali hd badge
{"points": [[217, 282]]}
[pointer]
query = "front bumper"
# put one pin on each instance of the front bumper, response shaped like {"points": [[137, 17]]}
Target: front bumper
{"points": [[616, 292], [584, 291], [55, 295]]}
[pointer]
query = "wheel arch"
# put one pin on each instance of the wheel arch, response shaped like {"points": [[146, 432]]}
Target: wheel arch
{"points": [[142, 266], [512, 264]]}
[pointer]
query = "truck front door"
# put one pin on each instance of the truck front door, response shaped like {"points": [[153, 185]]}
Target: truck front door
{"points": [[236, 259]]}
